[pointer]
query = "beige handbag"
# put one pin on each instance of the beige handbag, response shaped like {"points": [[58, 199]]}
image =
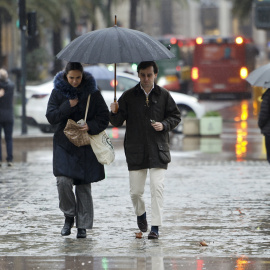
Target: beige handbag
{"points": [[74, 134], [100, 143]]}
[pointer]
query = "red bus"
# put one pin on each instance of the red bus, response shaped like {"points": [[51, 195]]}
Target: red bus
{"points": [[220, 66], [175, 74]]}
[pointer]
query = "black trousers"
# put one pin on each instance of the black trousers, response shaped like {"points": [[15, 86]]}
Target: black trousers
{"points": [[267, 146]]}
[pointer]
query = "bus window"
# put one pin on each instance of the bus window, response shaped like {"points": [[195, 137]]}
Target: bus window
{"points": [[227, 52]]}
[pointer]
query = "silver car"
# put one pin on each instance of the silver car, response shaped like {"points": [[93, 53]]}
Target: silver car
{"points": [[38, 97]]}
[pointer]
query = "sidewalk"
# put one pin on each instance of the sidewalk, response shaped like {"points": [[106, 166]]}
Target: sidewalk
{"points": [[224, 203], [209, 196]]}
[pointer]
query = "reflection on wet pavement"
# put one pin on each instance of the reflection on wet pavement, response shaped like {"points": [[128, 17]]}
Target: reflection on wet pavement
{"points": [[139, 263], [226, 204]]}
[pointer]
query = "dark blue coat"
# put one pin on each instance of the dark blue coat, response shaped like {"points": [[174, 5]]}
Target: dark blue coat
{"points": [[78, 163], [6, 102], [264, 116]]}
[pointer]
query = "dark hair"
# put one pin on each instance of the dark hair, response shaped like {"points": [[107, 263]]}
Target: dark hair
{"points": [[72, 66], [146, 64]]}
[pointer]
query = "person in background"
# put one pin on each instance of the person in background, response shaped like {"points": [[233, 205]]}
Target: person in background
{"points": [[6, 115], [150, 113], [74, 165], [264, 121]]}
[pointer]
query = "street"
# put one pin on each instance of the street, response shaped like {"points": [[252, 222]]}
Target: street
{"points": [[213, 193]]}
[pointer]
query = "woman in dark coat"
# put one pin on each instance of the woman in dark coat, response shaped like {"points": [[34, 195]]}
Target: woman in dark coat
{"points": [[74, 165], [6, 114]]}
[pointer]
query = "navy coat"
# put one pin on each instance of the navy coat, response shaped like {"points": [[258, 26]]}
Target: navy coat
{"points": [[264, 116], [6, 102], [78, 163]]}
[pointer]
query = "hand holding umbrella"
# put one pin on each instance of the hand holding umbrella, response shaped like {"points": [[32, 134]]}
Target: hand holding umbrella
{"points": [[114, 107]]}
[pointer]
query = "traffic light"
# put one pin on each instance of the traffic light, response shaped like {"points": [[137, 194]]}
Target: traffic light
{"points": [[31, 24], [22, 15], [262, 14], [32, 43]]}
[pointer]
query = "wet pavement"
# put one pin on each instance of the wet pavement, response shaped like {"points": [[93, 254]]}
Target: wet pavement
{"points": [[217, 190]]}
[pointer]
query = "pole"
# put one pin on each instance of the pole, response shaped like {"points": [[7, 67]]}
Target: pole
{"points": [[22, 18], [23, 79]]}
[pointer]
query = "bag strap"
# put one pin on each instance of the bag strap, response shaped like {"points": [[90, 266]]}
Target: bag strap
{"points": [[87, 106]]}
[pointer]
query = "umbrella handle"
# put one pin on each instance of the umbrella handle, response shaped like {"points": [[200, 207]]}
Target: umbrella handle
{"points": [[115, 83], [115, 99]]}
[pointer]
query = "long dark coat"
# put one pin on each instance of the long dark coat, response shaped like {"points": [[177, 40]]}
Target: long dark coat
{"points": [[6, 102], [264, 116], [78, 163], [145, 147]]}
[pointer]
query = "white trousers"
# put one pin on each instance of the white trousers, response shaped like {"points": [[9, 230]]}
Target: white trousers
{"points": [[137, 181]]}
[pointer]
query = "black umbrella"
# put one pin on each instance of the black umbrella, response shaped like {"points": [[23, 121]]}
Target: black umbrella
{"points": [[114, 45], [99, 72]]}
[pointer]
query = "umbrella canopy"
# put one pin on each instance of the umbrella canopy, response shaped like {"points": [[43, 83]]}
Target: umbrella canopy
{"points": [[114, 45], [260, 76], [100, 72]]}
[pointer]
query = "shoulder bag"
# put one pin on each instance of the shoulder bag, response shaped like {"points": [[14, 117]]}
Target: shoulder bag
{"points": [[100, 143]]}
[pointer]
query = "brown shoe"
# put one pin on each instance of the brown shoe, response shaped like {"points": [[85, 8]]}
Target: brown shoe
{"points": [[153, 235], [142, 224]]}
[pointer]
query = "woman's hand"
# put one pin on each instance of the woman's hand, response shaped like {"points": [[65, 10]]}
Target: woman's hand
{"points": [[73, 102], [84, 127], [2, 92]]}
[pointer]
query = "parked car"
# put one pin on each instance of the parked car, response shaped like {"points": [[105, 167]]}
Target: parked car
{"points": [[38, 96]]}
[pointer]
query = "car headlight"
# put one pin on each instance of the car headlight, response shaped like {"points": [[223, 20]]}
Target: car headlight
{"points": [[194, 99], [162, 81]]}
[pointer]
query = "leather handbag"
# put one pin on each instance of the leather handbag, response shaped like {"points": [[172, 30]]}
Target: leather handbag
{"points": [[100, 143], [74, 134]]}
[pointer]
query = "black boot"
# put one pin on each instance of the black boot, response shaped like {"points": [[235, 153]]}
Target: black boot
{"points": [[69, 222], [81, 233]]}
